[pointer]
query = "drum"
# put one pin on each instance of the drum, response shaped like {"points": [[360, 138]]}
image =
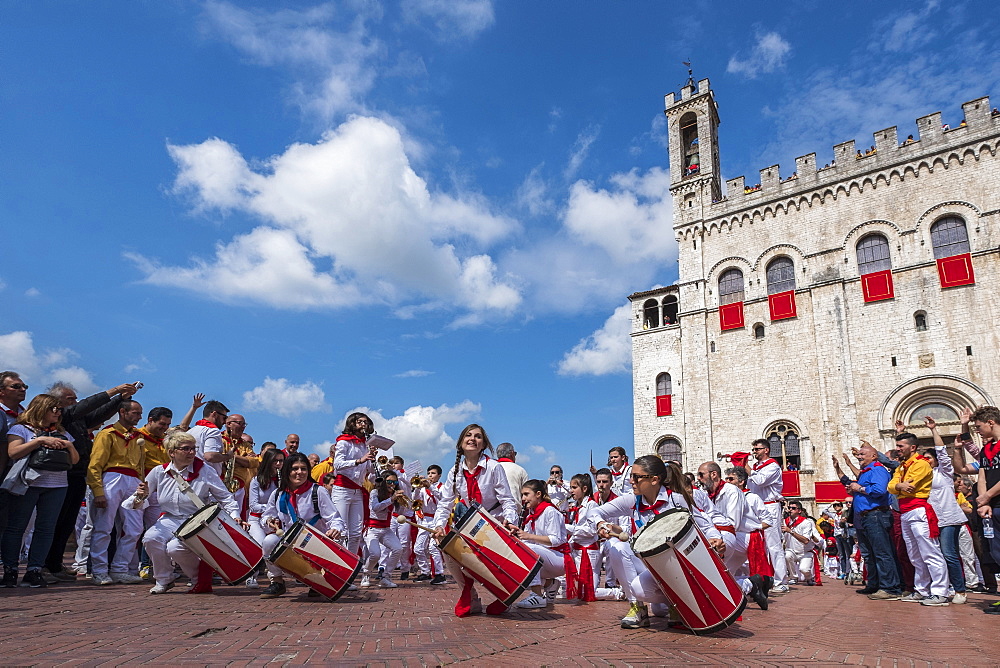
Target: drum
{"points": [[315, 560], [501, 563], [221, 543], [689, 572]]}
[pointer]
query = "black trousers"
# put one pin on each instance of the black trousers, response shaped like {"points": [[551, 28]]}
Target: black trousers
{"points": [[66, 524]]}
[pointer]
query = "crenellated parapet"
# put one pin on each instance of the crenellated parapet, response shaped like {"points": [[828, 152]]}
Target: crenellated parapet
{"points": [[852, 167]]}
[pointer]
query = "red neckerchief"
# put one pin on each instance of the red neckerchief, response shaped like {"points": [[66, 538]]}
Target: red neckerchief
{"points": [[473, 493], [302, 489], [905, 467], [149, 437], [798, 520], [619, 472], [991, 449], [206, 423], [655, 507], [505, 459], [759, 465], [576, 514], [868, 468], [128, 437], [350, 437], [597, 497], [535, 514], [717, 490], [10, 412], [195, 469]]}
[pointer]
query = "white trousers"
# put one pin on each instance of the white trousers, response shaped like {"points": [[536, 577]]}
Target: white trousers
{"points": [[595, 556], [269, 542], [383, 547], [553, 564], [775, 542], [84, 530], [164, 547], [799, 565], [117, 488], [930, 571], [426, 552], [735, 560], [350, 506], [402, 531], [628, 567], [967, 552]]}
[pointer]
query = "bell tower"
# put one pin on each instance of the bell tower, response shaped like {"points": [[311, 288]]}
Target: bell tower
{"points": [[693, 133]]}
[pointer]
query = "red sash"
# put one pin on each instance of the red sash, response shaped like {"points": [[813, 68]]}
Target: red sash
{"points": [[347, 483], [757, 555], [585, 592], [573, 586], [375, 523], [908, 504]]}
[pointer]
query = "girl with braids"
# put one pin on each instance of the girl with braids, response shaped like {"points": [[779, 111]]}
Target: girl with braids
{"points": [[586, 546], [543, 528], [262, 486], [297, 497], [474, 478], [354, 464], [656, 488]]}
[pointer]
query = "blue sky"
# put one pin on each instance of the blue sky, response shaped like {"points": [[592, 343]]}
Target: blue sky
{"points": [[433, 209]]}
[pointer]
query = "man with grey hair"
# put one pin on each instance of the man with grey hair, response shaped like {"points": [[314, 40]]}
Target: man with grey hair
{"points": [[516, 475]]}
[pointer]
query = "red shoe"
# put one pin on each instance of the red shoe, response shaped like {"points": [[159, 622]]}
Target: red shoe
{"points": [[203, 584], [496, 608]]}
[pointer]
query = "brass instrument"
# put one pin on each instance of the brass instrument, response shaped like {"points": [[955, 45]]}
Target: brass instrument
{"points": [[229, 469], [418, 481], [383, 462]]}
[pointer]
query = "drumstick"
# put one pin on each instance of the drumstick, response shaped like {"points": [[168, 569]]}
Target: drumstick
{"points": [[419, 526]]}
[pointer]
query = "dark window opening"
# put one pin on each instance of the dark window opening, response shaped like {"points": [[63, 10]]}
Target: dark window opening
{"points": [[689, 144], [780, 275], [650, 314], [670, 308], [949, 237], [894, 361], [758, 331], [731, 287], [873, 254], [920, 321]]}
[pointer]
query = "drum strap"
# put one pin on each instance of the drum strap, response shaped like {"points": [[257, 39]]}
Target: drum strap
{"points": [[183, 485]]}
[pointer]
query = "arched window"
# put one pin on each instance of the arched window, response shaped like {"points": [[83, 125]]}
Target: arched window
{"points": [[920, 321], [873, 254], [669, 450], [780, 275], [731, 287], [650, 314], [758, 331], [784, 441], [689, 143], [670, 310], [949, 237], [664, 388], [939, 411]]}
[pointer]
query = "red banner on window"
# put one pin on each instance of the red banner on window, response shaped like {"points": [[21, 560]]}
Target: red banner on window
{"points": [[782, 305], [956, 270], [790, 484], [828, 491], [877, 286], [663, 405], [731, 316]]}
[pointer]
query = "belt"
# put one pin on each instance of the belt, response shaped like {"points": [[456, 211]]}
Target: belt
{"points": [[255, 514], [123, 470], [731, 529], [775, 501], [872, 510]]}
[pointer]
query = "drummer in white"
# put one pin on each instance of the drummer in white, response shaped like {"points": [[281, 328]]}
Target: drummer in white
{"points": [[163, 485], [543, 528], [296, 498], [475, 478], [764, 480], [657, 488]]}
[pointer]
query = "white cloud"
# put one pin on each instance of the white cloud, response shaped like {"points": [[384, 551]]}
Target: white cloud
{"points": [[142, 364], [909, 30], [537, 454], [420, 432], [766, 56], [280, 397], [32, 292], [608, 350], [580, 151], [414, 373], [3, 286], [452, 18], [17, 353], [533, 196], [353, 203], [322, 449]]}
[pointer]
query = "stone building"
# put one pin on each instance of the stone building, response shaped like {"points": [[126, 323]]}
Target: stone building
{"points": [[817, 308]]}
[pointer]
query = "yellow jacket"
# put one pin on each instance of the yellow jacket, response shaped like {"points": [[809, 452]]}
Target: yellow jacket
{"points": [[114, 447], [321, 469], [156, 454], [916, 470]]}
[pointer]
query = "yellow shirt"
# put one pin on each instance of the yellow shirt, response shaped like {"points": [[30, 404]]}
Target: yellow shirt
{"points": [[156, 454], [114, 447], [321, 469], [242, 473], [916, 470]]}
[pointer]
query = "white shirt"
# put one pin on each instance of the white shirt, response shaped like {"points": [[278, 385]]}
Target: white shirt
{"points": [[620, 483], [328, 516], [580, 531], [942, 498], [551, 524], [766, 481], [164, 491], [207, 439], [805, 528], [429, 498], [559, 494], [259, 497], [626, 505], [732, 504], [497, 499], [516, 476], [345, 461]]}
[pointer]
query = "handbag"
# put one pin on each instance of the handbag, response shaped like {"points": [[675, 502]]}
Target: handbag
{"points": [[50, 459]]}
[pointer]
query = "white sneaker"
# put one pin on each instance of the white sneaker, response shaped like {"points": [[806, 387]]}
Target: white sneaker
{"points": [[365, 581], [912, 597], [102, 579], [352, 587], [252, 583], [533, 602], [959, 598], [386, 583], [125, 578], [779, 589], [552, 591], [934, 600], [161, 588]]}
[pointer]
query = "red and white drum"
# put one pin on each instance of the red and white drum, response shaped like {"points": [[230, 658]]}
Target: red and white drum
{"points": [[494, 558], [316, 560], [689, 572], [221, 543]]}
